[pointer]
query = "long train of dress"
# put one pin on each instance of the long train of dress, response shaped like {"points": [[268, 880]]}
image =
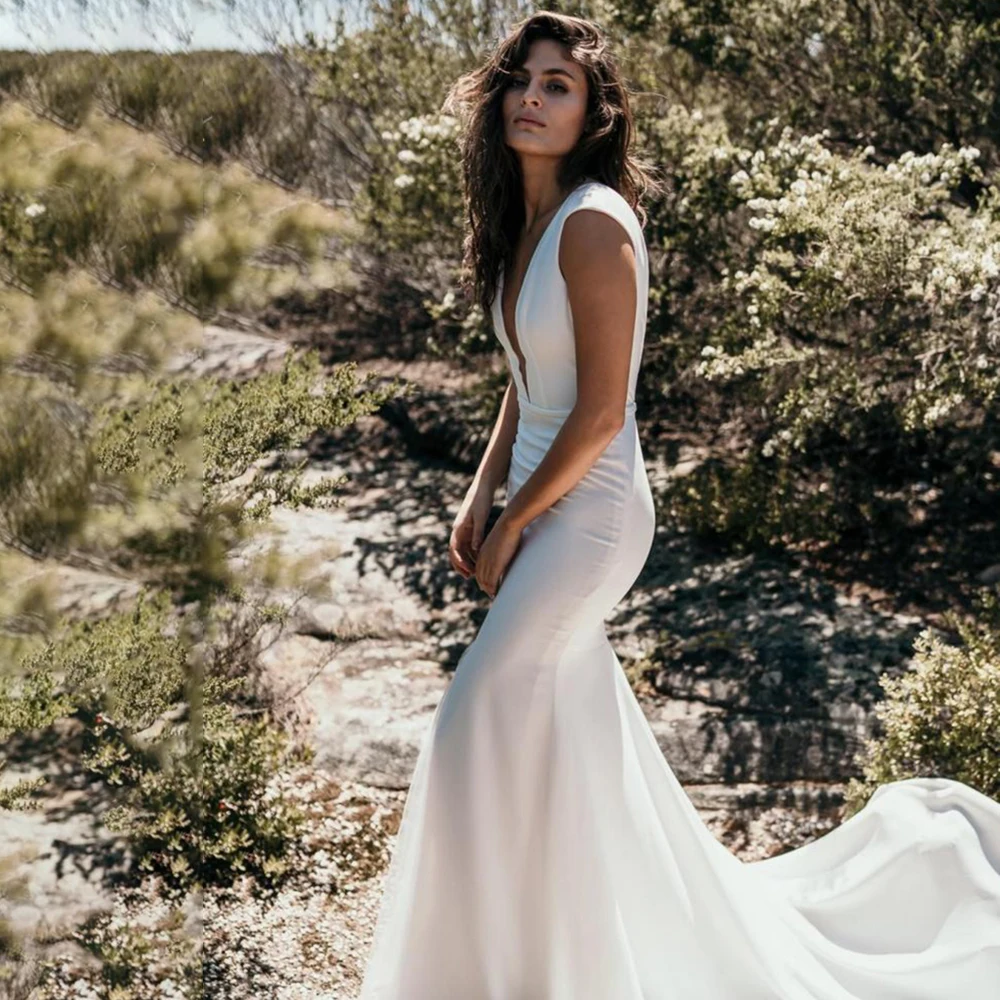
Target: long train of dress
{"points": [[546, 850]]}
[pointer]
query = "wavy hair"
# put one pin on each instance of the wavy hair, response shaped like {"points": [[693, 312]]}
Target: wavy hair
{"points": [[491, 169]]}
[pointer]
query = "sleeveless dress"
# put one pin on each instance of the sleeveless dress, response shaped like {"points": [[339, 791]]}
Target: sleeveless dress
{"points": [[546, 850]]}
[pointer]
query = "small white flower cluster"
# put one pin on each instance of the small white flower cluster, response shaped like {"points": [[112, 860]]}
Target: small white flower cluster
{"points": [[422, 132], [765, 186], [34, 209], [805, 154], [971, 270], [424, 129], [945, 167], [765, 354], [940, 408], [784, 437], [763, 289]]}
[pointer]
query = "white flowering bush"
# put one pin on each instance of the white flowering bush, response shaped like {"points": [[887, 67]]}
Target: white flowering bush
{"points": [[846, 313], [839, 238], [414, 196], [413, 204], [941, 718], [691, 234]]}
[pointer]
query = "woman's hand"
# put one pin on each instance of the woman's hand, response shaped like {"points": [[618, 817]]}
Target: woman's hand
{"points": [[467, 531], [496, 553]]}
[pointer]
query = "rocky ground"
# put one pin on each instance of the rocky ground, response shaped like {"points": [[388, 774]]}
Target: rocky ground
{"points": [[756, 676]]}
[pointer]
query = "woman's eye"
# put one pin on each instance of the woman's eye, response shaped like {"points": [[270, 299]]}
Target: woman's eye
{"points": [[518, 83]]}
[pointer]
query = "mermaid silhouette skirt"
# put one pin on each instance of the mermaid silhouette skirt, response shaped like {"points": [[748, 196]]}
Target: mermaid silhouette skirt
{"points": [[546, 850]]}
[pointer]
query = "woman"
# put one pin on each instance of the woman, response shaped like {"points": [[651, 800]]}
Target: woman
{"points": [[546, 850]]}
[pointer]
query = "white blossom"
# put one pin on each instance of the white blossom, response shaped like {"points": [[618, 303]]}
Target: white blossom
{"points": [[988, 263]]}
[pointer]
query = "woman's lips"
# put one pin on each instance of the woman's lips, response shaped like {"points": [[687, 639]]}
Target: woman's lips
{"points": [[528, 121]]}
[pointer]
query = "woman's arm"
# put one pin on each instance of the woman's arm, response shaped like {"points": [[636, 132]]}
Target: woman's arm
{"points": [[598, 262], [495, 462], [473, 514]]}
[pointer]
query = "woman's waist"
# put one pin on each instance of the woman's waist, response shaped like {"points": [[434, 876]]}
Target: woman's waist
{"points": [[532, 414], [537, 428]]}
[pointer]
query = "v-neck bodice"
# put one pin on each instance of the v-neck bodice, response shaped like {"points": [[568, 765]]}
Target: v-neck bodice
{"points": [[542, 330]]}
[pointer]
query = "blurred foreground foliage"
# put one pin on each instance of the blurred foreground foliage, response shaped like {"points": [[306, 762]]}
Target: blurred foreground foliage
{"points": [[113, 460]]}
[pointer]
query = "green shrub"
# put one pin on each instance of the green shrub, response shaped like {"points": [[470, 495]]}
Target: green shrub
{"points": [[208, 106], [206, 817], [942, 717], [193, 799], [137, 86], [136, 961], [15, 69], [107, 461], [217, 118]]}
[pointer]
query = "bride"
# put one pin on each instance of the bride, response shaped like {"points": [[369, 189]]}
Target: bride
{"points": [[546, 849]]}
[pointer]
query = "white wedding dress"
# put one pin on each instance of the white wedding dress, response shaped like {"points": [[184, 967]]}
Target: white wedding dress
{"points": [[546, 850]]}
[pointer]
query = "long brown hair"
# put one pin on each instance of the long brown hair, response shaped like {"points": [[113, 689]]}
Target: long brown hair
{"points": [[491, 169]]}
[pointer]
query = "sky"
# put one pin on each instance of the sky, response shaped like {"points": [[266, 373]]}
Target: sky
{"points": [[44, 25]]}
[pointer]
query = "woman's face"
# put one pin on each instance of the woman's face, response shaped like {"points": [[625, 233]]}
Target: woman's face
{"points": [[552, 90]]}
